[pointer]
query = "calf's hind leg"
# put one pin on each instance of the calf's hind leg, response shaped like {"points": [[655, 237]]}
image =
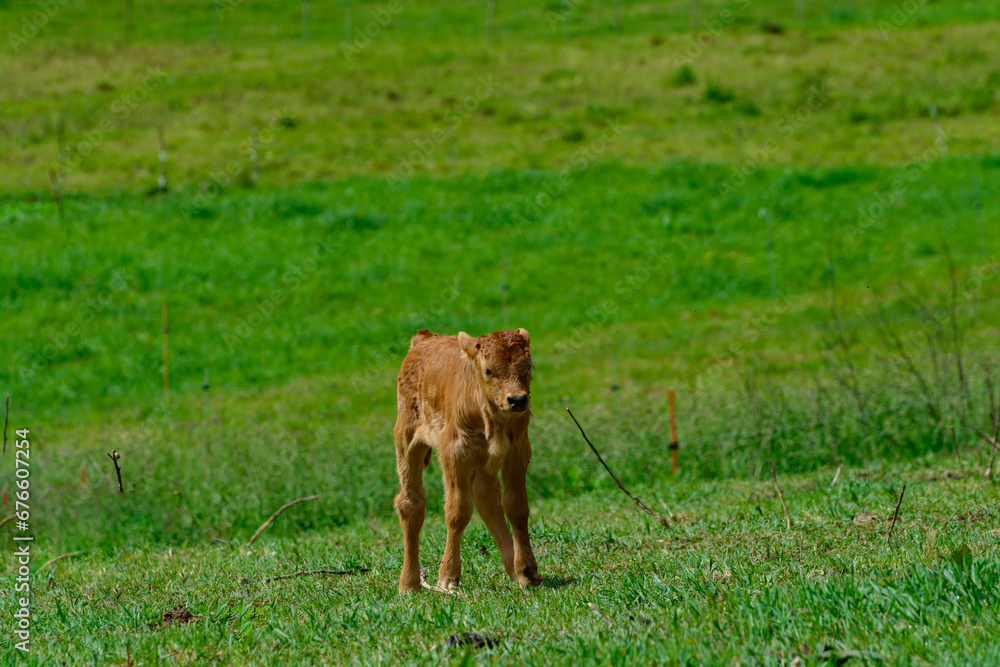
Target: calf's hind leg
{"points": [[411, 459]]}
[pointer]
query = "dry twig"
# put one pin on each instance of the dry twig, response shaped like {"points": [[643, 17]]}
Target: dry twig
{"points": [[774, 477], [992, 441], [836, 475], [114, 456], [306, 573], [8, 519], [895, 515], [994, 419], [436, 589], [275, 516], [987, 438], [56, 559], [598, 614], [638, 502]]}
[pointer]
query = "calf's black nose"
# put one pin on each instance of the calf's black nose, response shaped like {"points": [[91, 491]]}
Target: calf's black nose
{"points": [[518, 402]]}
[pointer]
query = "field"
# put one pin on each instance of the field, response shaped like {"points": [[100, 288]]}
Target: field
{"points": [[791, 220]]}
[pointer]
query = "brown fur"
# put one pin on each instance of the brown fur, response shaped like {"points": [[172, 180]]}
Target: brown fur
{"points": [[447, 402]]}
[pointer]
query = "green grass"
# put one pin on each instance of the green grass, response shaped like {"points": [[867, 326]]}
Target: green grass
{"points": [[615, 192], [726, 582], [392, 107], [655, 266]]}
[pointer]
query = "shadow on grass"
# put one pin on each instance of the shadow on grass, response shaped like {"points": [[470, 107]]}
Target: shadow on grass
{"points": [[558, 582]]}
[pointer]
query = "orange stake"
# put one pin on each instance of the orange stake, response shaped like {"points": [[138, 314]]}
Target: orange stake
{"points": [[4, 497], [83, 475], [673, 433]]}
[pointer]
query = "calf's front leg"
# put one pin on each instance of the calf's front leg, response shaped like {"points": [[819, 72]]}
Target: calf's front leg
{"points": [[487, 495], [515, 506], [457, 512]]}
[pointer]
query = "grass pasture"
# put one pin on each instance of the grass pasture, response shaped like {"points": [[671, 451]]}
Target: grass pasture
{"points": [[792, 221], [840, 89], [728, 582]]}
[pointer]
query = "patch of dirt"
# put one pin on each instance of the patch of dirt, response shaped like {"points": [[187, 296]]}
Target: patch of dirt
{"points": [[818, 574], [723, 576], [180, 615], [866, 520]]}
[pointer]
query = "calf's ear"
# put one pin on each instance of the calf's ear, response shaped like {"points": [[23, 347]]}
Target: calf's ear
{"points": [[469, 344], [524, 335]]}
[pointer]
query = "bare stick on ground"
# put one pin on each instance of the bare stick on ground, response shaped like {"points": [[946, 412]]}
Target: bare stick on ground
{"points": [[306, 573], [638, 502], [598, 614], [994, 446], [988, 439], [57, 559], [436, 589], [774, 478], [8, 519], [994, 419], [836, 475], [989, 468], [114, 456], [6, 414], [275, 516], [895, 515]]}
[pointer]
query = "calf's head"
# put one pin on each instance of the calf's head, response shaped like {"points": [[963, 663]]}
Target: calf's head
{"points": [[502, 362]]}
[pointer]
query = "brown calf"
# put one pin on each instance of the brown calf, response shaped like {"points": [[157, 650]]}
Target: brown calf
{"points": [[466, 398]]}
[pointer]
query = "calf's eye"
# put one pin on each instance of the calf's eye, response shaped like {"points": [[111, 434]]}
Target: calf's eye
{"points": [[489, 372]]}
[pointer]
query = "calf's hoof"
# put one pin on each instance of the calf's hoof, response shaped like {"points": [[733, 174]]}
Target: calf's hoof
{"points": [[448, 583], [529, 578], [410, 586]]}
